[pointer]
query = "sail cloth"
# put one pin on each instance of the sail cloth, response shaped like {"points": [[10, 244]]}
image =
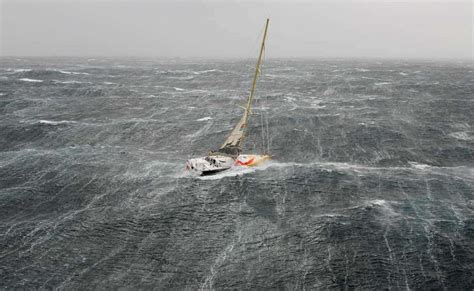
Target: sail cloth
{"points": [[233, 143]]}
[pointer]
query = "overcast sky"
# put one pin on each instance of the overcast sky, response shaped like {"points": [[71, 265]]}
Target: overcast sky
{"points": [[380, 29]]}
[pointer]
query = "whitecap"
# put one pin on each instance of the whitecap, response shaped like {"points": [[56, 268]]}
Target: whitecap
{"points": [[317, 106], [19, 70], [384, 204], [379, 202], [51, 122], [328, 215], [462, 135], [72, 73], [272, 76], [260, 108], [403, 74], [419, 165], [110, 83], [178, 89], [206, 71], [67, 82], [362, 70], [204, 118], [382, 83], [30, 80]]}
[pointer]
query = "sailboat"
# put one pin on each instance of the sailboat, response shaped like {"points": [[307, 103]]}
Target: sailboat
{"points": [[230, 153]]}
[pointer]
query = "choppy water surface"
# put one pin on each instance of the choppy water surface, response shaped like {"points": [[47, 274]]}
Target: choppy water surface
{"points": [[371, 185]]}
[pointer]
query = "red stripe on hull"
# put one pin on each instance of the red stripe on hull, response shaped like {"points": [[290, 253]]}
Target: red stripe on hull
{"points": [[246, 163]]}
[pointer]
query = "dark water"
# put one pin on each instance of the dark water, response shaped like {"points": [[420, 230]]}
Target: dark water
{"points": [[371, 186]]}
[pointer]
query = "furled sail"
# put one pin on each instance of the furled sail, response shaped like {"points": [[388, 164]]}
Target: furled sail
{"points": [[233, 144]]}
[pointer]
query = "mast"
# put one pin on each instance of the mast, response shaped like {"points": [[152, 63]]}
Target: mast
{"points": [[254, 83], [233, 144]]}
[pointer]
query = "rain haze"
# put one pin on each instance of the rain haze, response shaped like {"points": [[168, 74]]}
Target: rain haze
{"points": [[415, 29]]}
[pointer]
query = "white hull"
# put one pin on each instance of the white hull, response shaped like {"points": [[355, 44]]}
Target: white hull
{"points": [[214, 164], [210, 164]]}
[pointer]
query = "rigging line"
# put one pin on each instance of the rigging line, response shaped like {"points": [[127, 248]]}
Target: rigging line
{"points": [[259, 69], [263, 105], [263, 133], [267, 133], [259, 74], [267, 137]]}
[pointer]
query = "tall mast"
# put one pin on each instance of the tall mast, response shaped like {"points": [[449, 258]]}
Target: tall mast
{"points": [[233, 143], [257, 71]]}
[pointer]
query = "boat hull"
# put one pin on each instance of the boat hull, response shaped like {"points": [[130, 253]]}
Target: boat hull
{"points": [[214, 164], [210, 164], [212, 172]]}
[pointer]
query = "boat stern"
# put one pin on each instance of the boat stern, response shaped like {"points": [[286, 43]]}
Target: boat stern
{"points": [[251, 160]]}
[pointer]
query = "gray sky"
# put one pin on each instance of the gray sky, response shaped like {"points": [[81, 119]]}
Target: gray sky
{"points": [[381, 29]]}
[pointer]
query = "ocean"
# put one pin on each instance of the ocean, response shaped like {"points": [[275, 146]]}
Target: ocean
{"points": [[371, 185]]}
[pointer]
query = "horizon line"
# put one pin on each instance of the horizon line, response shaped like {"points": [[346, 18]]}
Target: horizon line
{"points": [[468, 59]]}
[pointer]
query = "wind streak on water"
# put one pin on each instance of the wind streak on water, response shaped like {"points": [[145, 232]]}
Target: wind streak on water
{"points": [[370, 187]]}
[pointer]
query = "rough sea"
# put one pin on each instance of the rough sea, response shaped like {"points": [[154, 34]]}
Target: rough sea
{"points": [[371, 185]]}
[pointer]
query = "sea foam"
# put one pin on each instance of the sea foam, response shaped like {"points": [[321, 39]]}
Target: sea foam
{"points": [[204, 118], [51, 122], [30, 80]]}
